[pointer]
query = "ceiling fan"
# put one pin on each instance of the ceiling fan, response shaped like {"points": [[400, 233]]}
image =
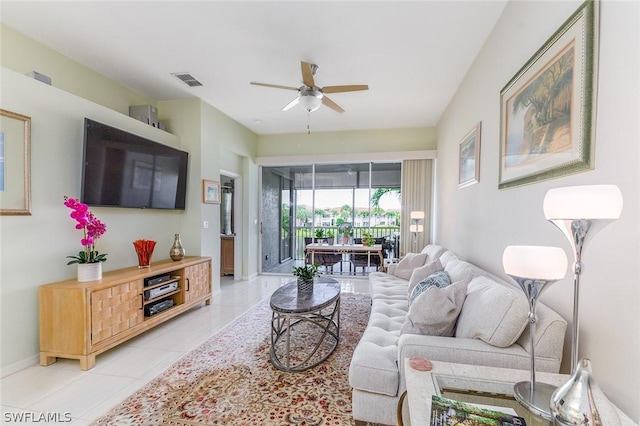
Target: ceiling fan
{"points": [[311, 96]]}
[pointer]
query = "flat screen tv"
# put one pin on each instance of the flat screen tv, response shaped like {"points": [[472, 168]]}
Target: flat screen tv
{"points": [[121, 169]]}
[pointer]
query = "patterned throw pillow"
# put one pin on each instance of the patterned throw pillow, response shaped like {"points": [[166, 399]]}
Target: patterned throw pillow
{"points": [[435, 311], [438, 279]]}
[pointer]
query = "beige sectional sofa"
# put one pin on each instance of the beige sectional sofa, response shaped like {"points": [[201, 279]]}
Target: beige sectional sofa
{"points": [[490, 327]]}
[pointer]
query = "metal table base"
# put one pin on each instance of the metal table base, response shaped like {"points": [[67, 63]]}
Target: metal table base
{"points": [[316, 314]]}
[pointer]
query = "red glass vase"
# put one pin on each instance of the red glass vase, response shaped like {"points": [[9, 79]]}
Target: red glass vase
{"points": [[144, 250]]}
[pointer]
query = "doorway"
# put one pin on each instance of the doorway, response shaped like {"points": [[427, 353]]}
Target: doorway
{"points": [[230, 224]]}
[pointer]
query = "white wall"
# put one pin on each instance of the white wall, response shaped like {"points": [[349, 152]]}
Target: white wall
{"points": [[354, 141], [34, 247], [24, 55], [478, 222], [224, 138]]}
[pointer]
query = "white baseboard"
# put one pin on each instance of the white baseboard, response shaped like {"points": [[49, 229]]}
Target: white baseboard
{"points": [[20, 365], [250, 277]]}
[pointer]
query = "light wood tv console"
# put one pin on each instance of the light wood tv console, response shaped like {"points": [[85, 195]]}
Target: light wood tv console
{"points": [[80, 320]]}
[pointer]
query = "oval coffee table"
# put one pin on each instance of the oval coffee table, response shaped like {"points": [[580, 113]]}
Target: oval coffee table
{"points": [[305, 326]]}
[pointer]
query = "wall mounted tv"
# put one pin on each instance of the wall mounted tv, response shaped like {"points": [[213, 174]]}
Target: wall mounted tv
{"points": [[121, 169]]}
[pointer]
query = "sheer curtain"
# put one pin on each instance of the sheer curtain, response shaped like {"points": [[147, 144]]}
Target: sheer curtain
{"points": [[416, 196]]}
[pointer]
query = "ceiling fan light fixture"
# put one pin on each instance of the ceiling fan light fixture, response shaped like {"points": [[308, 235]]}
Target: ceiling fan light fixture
{"points": [[310, 99], [310, 96]]}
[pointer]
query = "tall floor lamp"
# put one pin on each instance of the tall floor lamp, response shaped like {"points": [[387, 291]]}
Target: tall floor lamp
{"points": [[534, 268], [415, 228], [580, 212]]}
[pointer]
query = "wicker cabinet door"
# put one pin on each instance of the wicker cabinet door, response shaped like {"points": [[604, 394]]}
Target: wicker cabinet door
{"points": [[115, 309], [197, 281]]}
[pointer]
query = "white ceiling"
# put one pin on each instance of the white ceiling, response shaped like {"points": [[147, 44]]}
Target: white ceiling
{"points": [[413, 55]]}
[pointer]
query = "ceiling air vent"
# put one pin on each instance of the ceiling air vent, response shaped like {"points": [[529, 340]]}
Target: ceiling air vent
{"points": [[187, 79]]}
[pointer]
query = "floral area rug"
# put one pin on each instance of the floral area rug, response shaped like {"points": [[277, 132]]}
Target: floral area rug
{"points": [[229, 379]]}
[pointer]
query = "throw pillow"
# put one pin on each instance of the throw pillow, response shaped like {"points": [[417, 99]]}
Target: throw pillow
{"points": [[459, 269], [408, 263], [439, 279], [493, 313], [423, 272], [435, 311]]}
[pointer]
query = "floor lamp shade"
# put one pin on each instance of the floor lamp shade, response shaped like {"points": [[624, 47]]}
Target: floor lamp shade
{"points": [[583, 202], [419, 215], [580, 212]]}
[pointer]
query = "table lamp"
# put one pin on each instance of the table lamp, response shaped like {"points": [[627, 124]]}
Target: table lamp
{"points": [[534, 268], [580, 212]]}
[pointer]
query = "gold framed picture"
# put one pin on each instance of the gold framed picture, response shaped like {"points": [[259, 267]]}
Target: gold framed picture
{"points": [[547, 110], [210, 192], [15, 164]]}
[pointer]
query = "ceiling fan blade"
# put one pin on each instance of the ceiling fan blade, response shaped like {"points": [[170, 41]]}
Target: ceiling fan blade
{"points": [[307, 74], [276, 86], [291, 104], [349, 88], [334, 106]]}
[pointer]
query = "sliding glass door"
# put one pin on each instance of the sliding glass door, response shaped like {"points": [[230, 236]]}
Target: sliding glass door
{"points": [[286, 220], [320, 201]]}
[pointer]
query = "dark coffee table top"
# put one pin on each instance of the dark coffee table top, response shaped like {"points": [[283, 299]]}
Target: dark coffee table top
{"points": [[287, 299]]}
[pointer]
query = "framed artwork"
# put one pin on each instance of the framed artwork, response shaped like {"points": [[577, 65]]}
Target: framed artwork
{"points": [[15, 163], [469, 166], [547, 110], [210, 192]]}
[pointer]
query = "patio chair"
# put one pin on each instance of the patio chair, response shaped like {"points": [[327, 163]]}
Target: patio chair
{"points": [[328, 260], [365, 260]]}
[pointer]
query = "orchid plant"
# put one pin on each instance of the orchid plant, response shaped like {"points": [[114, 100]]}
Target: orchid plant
{"points": [[92, 229]]}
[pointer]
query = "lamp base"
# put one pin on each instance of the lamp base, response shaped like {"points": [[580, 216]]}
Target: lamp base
{"points": [[539, 403]]}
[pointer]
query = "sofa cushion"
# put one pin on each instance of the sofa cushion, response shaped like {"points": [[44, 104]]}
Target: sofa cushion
{"points": [[387, 286], [447, 256], [433, 251], [374, 366], [423, 272], [492, 313], [435, 311], [408, 263], [459, 270], [439, 279]]}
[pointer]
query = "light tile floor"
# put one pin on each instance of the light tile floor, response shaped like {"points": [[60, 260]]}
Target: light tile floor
{"points": [[76, 397]]}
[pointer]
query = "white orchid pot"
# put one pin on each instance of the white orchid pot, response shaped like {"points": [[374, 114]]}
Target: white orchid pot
{"points": [[89, 271]]}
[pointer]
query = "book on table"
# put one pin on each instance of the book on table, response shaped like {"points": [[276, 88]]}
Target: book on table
{"points": [[445, 412]]}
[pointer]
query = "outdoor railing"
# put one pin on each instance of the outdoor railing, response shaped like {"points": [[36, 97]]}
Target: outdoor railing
{"points": [[303, 232]]}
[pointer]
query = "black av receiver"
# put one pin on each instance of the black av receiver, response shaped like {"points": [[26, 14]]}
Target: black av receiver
{"points": [[157, 307], [156, 280]]}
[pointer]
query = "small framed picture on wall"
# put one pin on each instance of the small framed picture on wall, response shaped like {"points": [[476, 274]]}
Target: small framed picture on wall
{"points": [[210, 192], [469, 168]]}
